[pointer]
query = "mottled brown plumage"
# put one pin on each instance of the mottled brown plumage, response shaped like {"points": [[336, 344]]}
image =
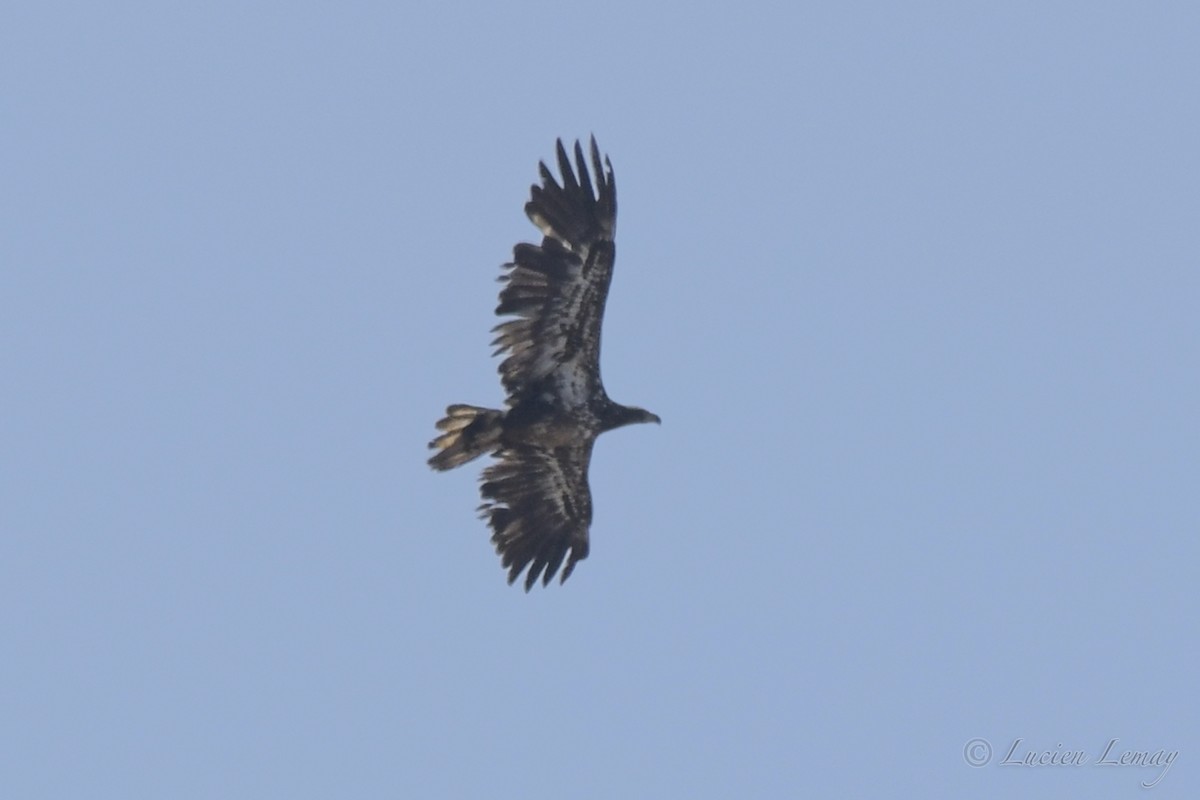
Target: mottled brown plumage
{"points": [[536, 496]]}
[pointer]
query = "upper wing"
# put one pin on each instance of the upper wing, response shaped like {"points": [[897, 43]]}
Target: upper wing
{"points": [[539, 506], [557, 290]]}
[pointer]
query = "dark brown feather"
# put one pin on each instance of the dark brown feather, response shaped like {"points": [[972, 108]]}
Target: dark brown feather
{"points": [[539, 507], [535, 495]]}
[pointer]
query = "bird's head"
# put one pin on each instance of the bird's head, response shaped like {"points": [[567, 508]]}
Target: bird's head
{"points": [[642, 415], [628, 415]]}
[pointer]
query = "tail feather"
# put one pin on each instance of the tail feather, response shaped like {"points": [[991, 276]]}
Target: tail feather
{"points": [[469, 432]]}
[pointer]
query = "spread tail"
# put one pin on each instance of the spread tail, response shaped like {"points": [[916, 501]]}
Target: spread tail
{"points": [[469, 432]]}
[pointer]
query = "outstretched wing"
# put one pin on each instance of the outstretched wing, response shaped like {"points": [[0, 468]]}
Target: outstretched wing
{"points": [[557, 290], [539, 506]]}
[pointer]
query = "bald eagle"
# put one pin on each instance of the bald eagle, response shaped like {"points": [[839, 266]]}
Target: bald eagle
{"points": [[535, 495]]}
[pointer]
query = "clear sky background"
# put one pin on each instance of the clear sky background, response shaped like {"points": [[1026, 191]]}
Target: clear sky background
{"points": [[914, 288]]}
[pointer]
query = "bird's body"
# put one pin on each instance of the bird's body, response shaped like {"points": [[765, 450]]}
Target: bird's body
{"points": [[536, 495]]}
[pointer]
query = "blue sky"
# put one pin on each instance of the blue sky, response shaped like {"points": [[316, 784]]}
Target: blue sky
{"points": [[914, 288]]}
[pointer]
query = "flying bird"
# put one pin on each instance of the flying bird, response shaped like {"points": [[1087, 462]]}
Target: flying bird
{"points": [[535, 495]]}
